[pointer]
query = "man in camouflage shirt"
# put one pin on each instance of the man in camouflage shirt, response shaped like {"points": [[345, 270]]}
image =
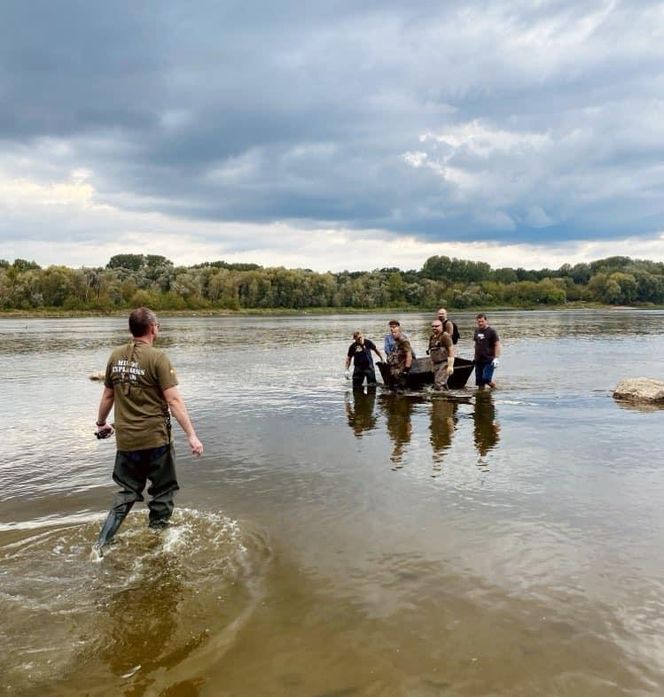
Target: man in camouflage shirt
{"points": [[401, 357], [441, 351]]}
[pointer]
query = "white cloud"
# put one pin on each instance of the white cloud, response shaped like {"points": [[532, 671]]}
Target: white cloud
{"points": [[17, 193], [442, 124], [67, 210]]}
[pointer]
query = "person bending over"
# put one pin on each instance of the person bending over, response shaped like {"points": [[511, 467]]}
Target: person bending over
{"points": [[360, 353]]}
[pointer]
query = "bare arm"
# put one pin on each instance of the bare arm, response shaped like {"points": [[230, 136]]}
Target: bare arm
{"points": [[450, 359], [179, 410], [347, 362], [105, 406], [496, 349]]}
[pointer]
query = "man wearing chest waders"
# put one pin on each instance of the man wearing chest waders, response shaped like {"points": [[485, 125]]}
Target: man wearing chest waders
{"points": [[141, 386]]}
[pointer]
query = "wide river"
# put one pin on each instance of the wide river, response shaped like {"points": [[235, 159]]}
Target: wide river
{"points": [[334, 544]]}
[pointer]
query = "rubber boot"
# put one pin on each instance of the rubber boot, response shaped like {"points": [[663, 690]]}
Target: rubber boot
{"points": [[113, 521]]}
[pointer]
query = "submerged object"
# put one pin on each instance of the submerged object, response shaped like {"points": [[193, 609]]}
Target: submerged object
{"points": [[421, 373]]}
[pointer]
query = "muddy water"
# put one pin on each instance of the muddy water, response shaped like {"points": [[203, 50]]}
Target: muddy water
{"points": [[340, 543]]}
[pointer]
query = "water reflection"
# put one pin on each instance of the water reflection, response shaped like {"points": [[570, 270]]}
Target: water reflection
{"points": [[398, 411], [642, 407], [486, 428], [443, 425], [541, 530], [360, 411]]}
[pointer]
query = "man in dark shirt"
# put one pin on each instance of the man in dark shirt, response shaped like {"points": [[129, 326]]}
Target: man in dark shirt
{"points": [[360, 353], [448, 327], [487, 351]]}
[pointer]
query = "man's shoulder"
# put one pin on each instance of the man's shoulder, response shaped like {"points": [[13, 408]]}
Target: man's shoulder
{"points": [[369, 343], [152, 352]]}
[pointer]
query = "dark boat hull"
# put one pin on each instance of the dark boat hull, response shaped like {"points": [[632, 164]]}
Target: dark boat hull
{"points": [[421, 374]]}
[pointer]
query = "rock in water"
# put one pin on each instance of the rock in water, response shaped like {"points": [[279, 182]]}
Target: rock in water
{"points": [[640, 390]]}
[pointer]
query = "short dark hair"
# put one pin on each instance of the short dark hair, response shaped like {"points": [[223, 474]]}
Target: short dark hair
{"points": [[480, 315], [140, 321], [394, 323]]}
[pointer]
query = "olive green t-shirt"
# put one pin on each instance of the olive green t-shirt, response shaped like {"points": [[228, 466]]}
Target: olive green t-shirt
{"points": [[138, 374], [439, 346]]}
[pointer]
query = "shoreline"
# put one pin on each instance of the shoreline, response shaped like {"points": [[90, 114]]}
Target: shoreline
{"points": [[53, 313]]}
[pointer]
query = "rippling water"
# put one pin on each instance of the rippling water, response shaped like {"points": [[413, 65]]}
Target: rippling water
{"points": [[340, 543]]}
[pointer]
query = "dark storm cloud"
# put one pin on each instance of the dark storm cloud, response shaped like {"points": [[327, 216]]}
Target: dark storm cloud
{"points": [[451, 121]]}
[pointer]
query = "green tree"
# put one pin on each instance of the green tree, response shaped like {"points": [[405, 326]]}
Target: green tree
{"points": [[22, 265], [132, 262]]}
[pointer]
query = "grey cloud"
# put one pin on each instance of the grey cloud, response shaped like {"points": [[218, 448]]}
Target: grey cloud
{"points": [[235, 111]]}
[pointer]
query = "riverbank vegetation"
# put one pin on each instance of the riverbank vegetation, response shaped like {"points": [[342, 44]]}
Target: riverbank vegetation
{"points": [[130, 280]]}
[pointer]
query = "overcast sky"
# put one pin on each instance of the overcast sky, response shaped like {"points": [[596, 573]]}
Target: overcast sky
{"points": [[332, 135]]}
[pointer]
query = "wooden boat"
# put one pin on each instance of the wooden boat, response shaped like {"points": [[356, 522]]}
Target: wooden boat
{"points": [[421, 373]]}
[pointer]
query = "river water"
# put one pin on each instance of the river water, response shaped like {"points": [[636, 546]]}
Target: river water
{"points": [[331, 543]]}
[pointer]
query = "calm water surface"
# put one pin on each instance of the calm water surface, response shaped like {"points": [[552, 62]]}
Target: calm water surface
{"points": [[331, 543]]}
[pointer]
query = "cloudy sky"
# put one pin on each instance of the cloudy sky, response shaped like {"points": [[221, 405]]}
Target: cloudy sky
{"points": [[332, 135]]}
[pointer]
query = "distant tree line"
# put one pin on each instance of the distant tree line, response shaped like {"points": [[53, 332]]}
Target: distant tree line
{"points": [[130, 280]]}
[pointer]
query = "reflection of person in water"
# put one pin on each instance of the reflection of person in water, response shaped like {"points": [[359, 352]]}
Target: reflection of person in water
{"points": [[360, 413], [443, 425], [486, 428], [398, 411]]}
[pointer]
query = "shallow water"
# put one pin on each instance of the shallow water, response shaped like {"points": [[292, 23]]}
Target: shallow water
{"points": [[338, 543]]}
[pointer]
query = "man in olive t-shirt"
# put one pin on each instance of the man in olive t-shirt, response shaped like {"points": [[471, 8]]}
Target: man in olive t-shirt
{"points": [[141, 386], [441, 351]]}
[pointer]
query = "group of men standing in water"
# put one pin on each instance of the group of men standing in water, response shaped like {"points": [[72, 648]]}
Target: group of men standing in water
{"points": [[441, 350], [140, 386]]}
